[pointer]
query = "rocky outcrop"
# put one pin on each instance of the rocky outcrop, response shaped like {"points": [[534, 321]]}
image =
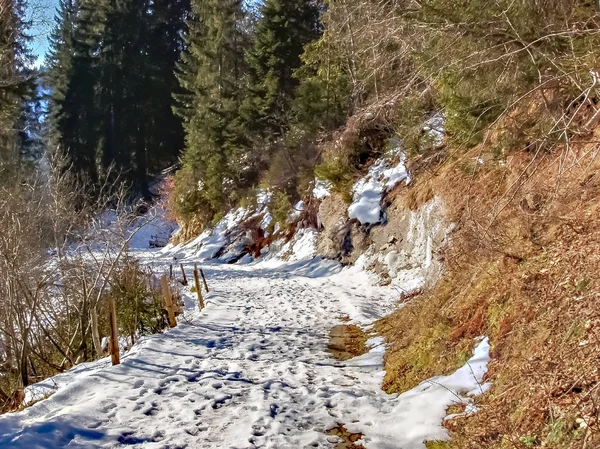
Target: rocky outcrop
{"points": [[403, 251]]}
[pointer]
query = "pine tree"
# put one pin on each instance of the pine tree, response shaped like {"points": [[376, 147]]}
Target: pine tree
{"points": [[16, 81], [73, 62], [165, 33], [284, 28], [211, 72], [111, 78], [32, 145], [59, 61]]}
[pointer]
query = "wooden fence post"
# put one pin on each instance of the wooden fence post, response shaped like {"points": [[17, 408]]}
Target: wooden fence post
{"points": [[185, 281], [198, 289], [114, 333], [170, 271], [168, 301], [204, 279]]}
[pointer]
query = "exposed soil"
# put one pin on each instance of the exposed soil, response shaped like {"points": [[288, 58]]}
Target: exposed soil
{"points": [[349, 439], [347, 341]]}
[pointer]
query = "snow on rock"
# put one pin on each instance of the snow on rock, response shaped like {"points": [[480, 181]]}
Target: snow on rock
{"points": [[266, 221], [303, 245], [322, 189], [435, 129], [211, 242], [410, 261], [227, 241], [297, 210], [380, 179], [263, 198]]}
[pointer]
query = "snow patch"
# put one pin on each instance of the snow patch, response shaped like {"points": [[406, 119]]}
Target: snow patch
{"points": [[435, 129], [417, 415], [322, 189], [303, 245], [211, 242], [381, 178]]}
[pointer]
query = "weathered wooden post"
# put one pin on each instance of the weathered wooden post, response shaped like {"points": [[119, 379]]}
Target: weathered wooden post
{"points": [[114, 333], [185, 281], [204, 279], [168, 301], [198, 289], [171, 271]]}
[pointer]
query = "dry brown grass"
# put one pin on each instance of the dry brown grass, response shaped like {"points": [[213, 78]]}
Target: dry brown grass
{"points": [[418, 194], [524, 269]]}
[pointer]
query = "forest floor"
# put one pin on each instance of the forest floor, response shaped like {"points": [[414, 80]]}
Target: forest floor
{"points": [[251, 370]]}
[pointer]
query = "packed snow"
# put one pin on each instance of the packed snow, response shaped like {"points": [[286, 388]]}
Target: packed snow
{"points": [[252, 370], [382, 177]]}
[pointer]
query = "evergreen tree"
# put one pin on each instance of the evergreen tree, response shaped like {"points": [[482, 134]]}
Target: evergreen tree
{"points": [[165, 34], [111, 78], [30, 127], [73, 62], [16, 81], [59, 61], [284, 28], [211, 72]]}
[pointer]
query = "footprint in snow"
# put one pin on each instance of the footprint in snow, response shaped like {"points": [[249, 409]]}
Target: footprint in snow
{"points": [[108, 407]]}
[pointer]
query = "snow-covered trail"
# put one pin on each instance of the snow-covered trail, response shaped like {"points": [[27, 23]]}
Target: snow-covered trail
{"points": [[250, 371]]}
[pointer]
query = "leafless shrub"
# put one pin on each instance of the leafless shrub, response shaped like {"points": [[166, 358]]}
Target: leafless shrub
{"points": [[61, 256]]}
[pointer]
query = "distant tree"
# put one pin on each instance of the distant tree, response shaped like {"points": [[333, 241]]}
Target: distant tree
{"points": [[72, 77], [16, 80], [111, 80]]}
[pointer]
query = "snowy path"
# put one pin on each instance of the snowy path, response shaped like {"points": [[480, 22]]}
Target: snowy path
{"points": [[251, 371]]}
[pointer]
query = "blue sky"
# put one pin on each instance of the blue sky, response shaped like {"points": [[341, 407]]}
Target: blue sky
{"points": [[41, 15]]}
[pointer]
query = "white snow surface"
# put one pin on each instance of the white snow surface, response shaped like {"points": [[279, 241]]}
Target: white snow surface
{"points": [[152, 227], [381, 178], [252, 370], [435, 128], [322, 189]]}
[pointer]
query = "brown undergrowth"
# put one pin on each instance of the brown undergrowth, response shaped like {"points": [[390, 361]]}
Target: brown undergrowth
{"points": [[523, 268]]}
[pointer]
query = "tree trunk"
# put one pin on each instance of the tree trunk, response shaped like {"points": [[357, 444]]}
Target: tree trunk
{"points": [[96, 332], [23, 363], [140, 159]]}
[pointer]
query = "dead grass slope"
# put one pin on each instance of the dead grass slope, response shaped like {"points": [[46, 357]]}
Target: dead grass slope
{"points": [[524, 269]]}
